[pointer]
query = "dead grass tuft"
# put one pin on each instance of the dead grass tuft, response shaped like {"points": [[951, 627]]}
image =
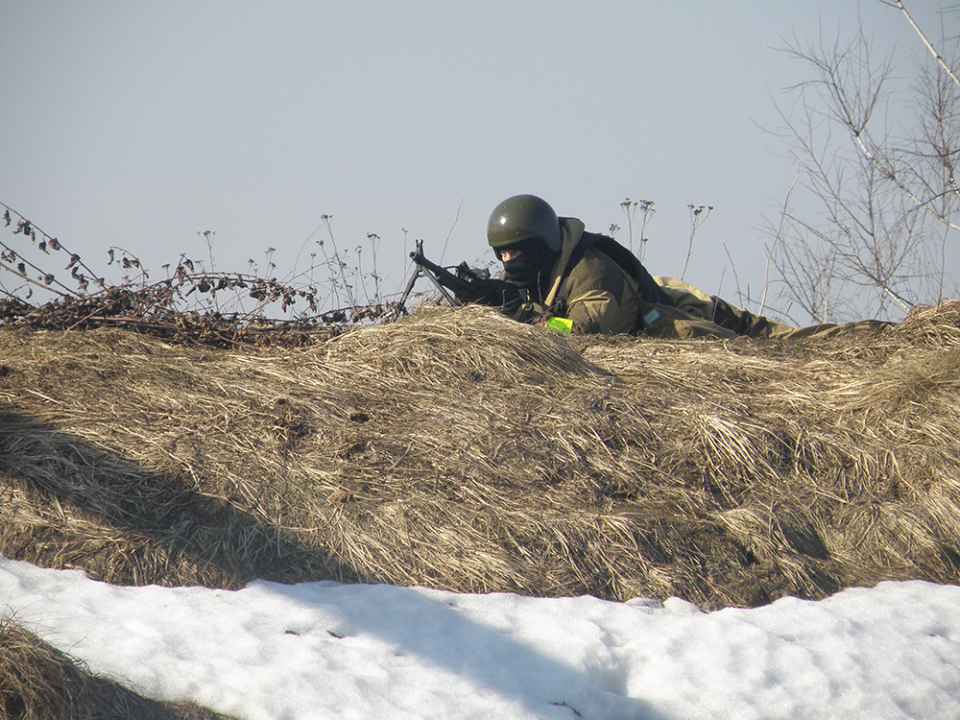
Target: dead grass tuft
{"points": [[38, 682]]}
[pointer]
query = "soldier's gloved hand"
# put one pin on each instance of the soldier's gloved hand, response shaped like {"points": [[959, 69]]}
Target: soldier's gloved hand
{"points": [[502, 294], [482, 289], [472, 294], [474, 288]]}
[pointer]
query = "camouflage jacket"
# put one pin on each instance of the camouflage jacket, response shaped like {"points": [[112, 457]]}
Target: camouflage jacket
{"points": [[601, 287]]}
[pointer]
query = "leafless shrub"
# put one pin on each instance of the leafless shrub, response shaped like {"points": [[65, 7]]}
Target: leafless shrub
{"points": [[879, 160], [191, 303]]}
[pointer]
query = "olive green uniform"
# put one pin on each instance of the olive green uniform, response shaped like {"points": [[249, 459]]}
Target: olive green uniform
{"points": [[601, 297], [597, 295]]}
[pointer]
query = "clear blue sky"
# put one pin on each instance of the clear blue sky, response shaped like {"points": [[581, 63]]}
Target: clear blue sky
{"points": [[138, 125]]}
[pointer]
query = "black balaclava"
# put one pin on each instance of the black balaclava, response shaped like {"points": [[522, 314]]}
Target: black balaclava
{"points": [[531, 268]]}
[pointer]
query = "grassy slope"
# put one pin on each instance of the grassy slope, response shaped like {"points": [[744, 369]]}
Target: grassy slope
{"points": [[463, 451]]}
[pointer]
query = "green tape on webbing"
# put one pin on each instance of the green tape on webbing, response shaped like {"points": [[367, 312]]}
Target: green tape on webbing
{"points": [[560, 325], [651, 317]]}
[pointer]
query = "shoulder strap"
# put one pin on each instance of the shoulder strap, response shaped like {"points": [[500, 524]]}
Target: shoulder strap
{"points": [[650, 291]]}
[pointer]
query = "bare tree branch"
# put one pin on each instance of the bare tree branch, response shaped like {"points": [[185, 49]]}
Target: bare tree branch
{"points": [[878, 193], [940, 60]]}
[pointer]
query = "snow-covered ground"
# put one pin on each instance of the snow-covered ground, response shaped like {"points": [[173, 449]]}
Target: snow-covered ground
{"points": [[327, 650]]}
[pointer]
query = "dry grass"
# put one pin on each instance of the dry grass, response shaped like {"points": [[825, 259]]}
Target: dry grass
{"points": [[38, 682], [461, 450]]}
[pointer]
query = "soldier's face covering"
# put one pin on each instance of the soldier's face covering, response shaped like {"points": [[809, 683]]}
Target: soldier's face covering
{"points": [[529, 262]]}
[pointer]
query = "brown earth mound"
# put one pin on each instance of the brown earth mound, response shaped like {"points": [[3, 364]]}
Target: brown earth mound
{"points": [[460, 450]]}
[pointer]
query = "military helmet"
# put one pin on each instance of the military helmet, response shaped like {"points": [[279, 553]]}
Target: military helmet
{"points": [[523, 217]]}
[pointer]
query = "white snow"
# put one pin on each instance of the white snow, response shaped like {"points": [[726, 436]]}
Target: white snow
{"points": [[329, 650]]}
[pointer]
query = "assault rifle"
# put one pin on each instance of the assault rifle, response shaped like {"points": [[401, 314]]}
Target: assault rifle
{"points": [[466, 284]]}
